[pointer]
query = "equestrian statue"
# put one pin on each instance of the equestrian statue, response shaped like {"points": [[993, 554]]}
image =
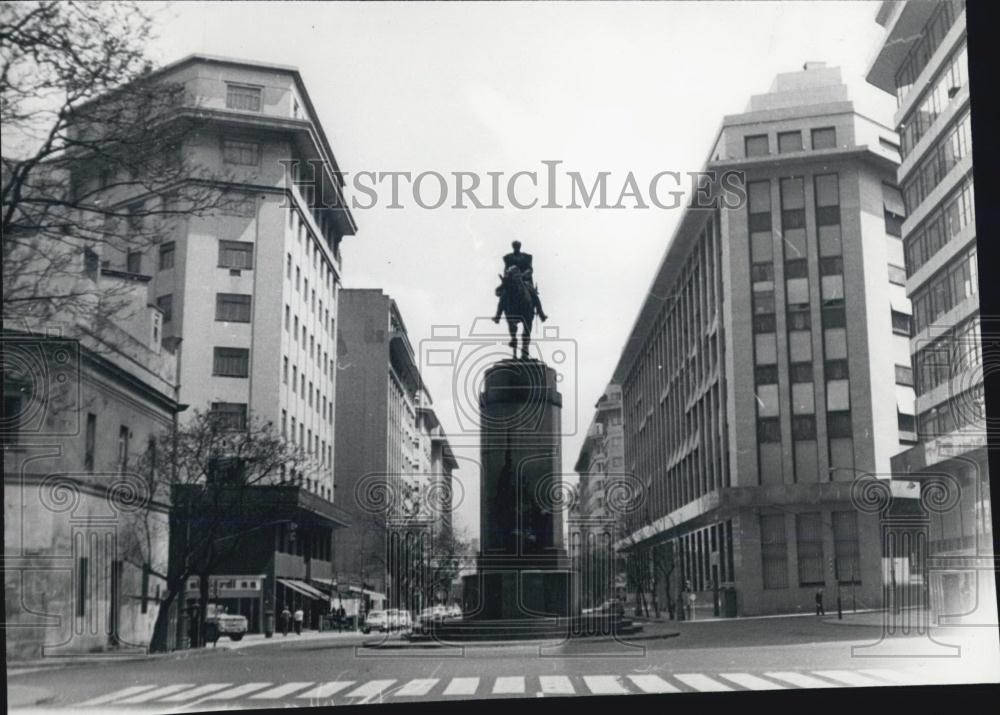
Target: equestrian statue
{"points": [[518, 296]]}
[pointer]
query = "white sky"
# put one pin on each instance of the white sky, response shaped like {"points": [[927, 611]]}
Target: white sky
{"points": [[501, 87]]}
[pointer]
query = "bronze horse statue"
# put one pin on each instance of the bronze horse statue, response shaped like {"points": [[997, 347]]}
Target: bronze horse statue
{"points": [[517, 307]]}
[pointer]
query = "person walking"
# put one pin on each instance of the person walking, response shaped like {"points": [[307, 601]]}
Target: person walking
{"points": [[819, 603], [286, 618], [299, 617], [341, 615]]}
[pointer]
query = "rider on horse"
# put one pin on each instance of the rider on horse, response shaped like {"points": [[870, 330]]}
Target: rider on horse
{"points": [[523, 262]]}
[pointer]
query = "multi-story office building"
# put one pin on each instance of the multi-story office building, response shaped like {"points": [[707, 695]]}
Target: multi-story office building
{"points": [[594, 525], [379, 450], [922, 60], [248, 289], [769, 366]]}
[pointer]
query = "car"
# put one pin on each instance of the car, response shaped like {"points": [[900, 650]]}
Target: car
{"points": [[399, 619], [376, 621], [612, 607], [218, 623], [454, 611]]}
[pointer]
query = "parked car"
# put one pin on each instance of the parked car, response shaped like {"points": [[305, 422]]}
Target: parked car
{"points": [[454, 611], [218, 623], [611, 607], [399, 619], [376, 621]]}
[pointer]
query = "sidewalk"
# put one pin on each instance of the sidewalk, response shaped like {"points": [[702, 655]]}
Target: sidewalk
{"points": [[23, 696], [256, 639]]}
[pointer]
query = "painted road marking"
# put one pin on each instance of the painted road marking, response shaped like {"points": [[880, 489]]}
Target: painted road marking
{"points": [[604, 684], [327, 689], [556, 685], [123, 693], [196, 693], [370, 689], [156, 693], [419, 686], [238, 692], [280, 691], [462, 686], [848, 677], [751, 682], [800, 680], [701, 682], [894, 676], [510, 684], [648, 683]]}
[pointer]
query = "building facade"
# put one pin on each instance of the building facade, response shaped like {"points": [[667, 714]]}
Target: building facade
{"points": [[382, 436], [922, 61], [774, 370], [594, 524], [85, 542]]}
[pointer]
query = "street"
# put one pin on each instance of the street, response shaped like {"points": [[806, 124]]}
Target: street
{"points": [[797, 652]]}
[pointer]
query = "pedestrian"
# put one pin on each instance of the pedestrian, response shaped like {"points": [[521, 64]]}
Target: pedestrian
{"points": [[341, 615], [299, 617], [819, 603], [286, 617]]}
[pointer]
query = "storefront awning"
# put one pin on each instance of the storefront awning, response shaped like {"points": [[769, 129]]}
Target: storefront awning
{"points": [[303, 588]]}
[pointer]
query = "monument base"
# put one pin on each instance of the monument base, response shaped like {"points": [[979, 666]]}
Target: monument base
{"points": [[523, 594]]}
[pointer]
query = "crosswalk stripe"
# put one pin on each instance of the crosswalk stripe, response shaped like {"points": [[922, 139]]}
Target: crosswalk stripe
{"points": [[238, 692], [556, 685], [462, 686], [649, 683], [196, 693], [604, 684], [894, 676], [327, 689], [155, 693], [418, 686], [799, 680], [751, 682], [701, 682], [509, 684], [123, 693], [848, 677], [280, 691], [370, 689]]}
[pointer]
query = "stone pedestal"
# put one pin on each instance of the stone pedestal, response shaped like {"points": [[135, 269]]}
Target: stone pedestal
{"points": [[522, 568]]}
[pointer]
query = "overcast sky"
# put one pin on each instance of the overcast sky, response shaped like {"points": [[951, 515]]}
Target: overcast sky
{"points": [[483, 87]]}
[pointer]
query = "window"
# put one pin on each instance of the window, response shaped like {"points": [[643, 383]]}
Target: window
{"points": [[904, 375], [133, 262], [838, 424], [298, 278], [809, 530], [897, 275], [824, 138], [954, 214], [836, 369], [123, 440], [288, 317], [901, 323], [773, 551], [789, 141], [845, 547], [827, 199], [295, 333], [295, 377], [288, 267], [243, 97], [90, 442], [284, 370], [804, 427], [838, 394], [834, 316], [766, 375], [762, 272], [801, 372], [769, 429], [232, 362], [166, 255], [757, 145], [239, 152], [232, 307], [906, 423], [82, 581], [230, 415], [166, 305], [952, 147], [235, 254]]}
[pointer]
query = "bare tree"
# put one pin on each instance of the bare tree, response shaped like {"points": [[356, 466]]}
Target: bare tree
{"points": [[93, 165], [206, 470]]}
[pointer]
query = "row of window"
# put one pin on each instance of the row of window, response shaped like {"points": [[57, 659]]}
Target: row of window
{"points": [[967, 409], [931, 36], [953, 354], [838, 424], [760, 144], [306, 439], [954, 214], [303, 287], [809, 532], [952, 147], [232, 254], [314, 395], [946, 289], [943, 89], [321, 357]]}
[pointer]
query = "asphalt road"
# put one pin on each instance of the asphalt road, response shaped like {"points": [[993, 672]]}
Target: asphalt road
{"points": [[763, 654]]}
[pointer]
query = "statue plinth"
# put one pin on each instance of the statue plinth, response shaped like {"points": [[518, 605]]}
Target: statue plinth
{"points": [[522, 568]]}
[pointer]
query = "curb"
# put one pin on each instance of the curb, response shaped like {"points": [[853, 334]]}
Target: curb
{"points": [[401, 645]]}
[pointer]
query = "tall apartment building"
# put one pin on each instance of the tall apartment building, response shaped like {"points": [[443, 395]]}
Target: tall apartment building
{"points": [[594, 523], [248, 293], [922, 60], [383, 430], [768, 368]]}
